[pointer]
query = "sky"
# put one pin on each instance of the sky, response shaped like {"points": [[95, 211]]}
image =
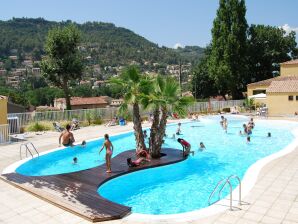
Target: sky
{"points": [[165, 22]]}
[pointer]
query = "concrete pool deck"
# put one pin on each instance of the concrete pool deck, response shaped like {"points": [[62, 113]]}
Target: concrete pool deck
{"points": [[274, 198]]}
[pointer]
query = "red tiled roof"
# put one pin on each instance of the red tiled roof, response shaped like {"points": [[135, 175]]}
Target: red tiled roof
{"points": [[288, 86], [267, 82], [292, 62], [85, 100]]}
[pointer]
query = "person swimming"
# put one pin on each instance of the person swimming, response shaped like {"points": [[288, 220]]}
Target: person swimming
{"points": [[75, 160], [202, 146], [222, 120], [269, 134], [145, 134], [225, 125], [178, 131], [251, 123], [109, 151], [83, 145], [67, 137]]}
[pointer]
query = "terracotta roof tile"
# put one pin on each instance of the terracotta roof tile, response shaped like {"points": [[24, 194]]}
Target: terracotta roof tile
{"points": [[292, 62], [85, 100], [268, 81], [288, 86]]}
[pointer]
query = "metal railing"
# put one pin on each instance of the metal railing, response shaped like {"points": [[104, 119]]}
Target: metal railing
{"points": [[4, 134], [223, 183], [27, 148], [18, 120]]}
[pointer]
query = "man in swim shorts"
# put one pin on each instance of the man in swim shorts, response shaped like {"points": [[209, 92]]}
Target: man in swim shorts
{"points": [[67, 137]]}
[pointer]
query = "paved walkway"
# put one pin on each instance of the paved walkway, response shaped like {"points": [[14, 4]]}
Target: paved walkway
{"points": [[274, 198]]}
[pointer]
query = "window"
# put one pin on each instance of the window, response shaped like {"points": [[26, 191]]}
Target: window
{"points": [[296, 98], [258, 91], [291, 98]]}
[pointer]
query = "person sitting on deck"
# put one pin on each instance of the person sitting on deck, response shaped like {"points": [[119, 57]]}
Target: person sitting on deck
{"points": [[186, 147], [143, 153], [134, 163]]}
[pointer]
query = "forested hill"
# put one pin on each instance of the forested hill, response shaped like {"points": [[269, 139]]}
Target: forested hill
{"points": [[102, 43]]}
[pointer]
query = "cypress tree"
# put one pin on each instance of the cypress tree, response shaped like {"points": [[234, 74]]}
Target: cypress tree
{"points": [[227, 61]]}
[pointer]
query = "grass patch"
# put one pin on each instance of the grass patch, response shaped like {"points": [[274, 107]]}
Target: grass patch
{"points": [[40, 126]]}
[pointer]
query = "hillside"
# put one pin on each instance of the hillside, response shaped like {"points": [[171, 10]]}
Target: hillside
{"points": [[102, 43]]}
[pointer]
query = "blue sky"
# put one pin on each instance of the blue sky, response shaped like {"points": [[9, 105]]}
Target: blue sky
{"points": [[165, 22]]}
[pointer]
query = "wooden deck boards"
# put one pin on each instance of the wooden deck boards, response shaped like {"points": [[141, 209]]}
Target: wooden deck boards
{"points": [[77, 192]]}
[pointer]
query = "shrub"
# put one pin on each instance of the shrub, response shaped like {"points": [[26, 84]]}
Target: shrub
{"points": [[39, 126], [226, 110]]}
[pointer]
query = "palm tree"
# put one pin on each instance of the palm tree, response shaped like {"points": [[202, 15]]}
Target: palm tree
{"points": [[165, 97], [134, 86]]}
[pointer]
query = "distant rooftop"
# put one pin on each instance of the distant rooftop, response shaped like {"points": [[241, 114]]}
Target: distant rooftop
{"points": [[85, 100], [292, 62]]}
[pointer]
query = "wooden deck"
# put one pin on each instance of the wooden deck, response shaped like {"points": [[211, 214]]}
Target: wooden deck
{"points": [[77, 192]]}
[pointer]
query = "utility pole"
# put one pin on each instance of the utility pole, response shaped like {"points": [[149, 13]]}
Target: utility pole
{"points": [[180, 76]]}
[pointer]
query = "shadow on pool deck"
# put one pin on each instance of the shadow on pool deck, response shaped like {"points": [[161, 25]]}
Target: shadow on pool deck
{"points": [[77, 192]]}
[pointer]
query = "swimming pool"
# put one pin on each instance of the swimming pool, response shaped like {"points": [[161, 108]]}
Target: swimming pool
{"points": [[180, 187], [186, 186]]}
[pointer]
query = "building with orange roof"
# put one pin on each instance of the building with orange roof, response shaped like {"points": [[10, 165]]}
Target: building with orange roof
{"points": [[281, 91], [83, 102]]}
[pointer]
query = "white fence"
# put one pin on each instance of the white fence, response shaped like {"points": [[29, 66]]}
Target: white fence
{"points": [[214, 106], [17, 120], [4, 133]]}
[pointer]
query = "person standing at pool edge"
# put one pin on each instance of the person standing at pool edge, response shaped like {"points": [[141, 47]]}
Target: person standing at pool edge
{"points": [[109, 151]]}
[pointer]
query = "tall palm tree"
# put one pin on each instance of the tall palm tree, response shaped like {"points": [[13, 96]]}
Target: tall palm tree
{"points": [[164, 98], [134, 86]]}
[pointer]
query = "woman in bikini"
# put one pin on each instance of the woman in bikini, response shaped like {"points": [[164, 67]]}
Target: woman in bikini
{"points": [[109, 151]]}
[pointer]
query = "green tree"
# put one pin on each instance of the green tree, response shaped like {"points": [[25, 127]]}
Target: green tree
{"points": [[134, 86], [268, 46], [63, 62], [227, 62], [203, 86], [164, 97]]}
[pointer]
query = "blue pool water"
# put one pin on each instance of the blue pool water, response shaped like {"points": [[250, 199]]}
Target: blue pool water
{"points": [[179, 187], [186, 186]]}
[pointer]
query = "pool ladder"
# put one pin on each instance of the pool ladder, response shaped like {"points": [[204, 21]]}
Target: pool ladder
{"points": [[223, 183], [28, 150]]}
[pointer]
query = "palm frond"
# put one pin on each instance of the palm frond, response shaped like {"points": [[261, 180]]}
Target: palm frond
{"points": [[123, 108]]}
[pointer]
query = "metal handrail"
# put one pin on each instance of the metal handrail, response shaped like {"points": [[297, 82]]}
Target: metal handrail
{"points": [[28, 149], [30, 143], [227, 181], [211, 195]]}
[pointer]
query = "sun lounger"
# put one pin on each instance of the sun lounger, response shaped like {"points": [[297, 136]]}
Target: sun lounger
{"points": [[58, 127]]}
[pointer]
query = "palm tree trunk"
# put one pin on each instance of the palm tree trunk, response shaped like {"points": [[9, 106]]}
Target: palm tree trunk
{"points": [[153, 147], [137, 126], [162, 129]]}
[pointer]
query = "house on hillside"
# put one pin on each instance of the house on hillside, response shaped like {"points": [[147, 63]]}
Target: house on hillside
{"points": [[83, 102], [281, 92]]}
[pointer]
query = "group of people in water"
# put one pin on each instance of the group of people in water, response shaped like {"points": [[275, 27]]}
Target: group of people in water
{"points": [[67, 139]]}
